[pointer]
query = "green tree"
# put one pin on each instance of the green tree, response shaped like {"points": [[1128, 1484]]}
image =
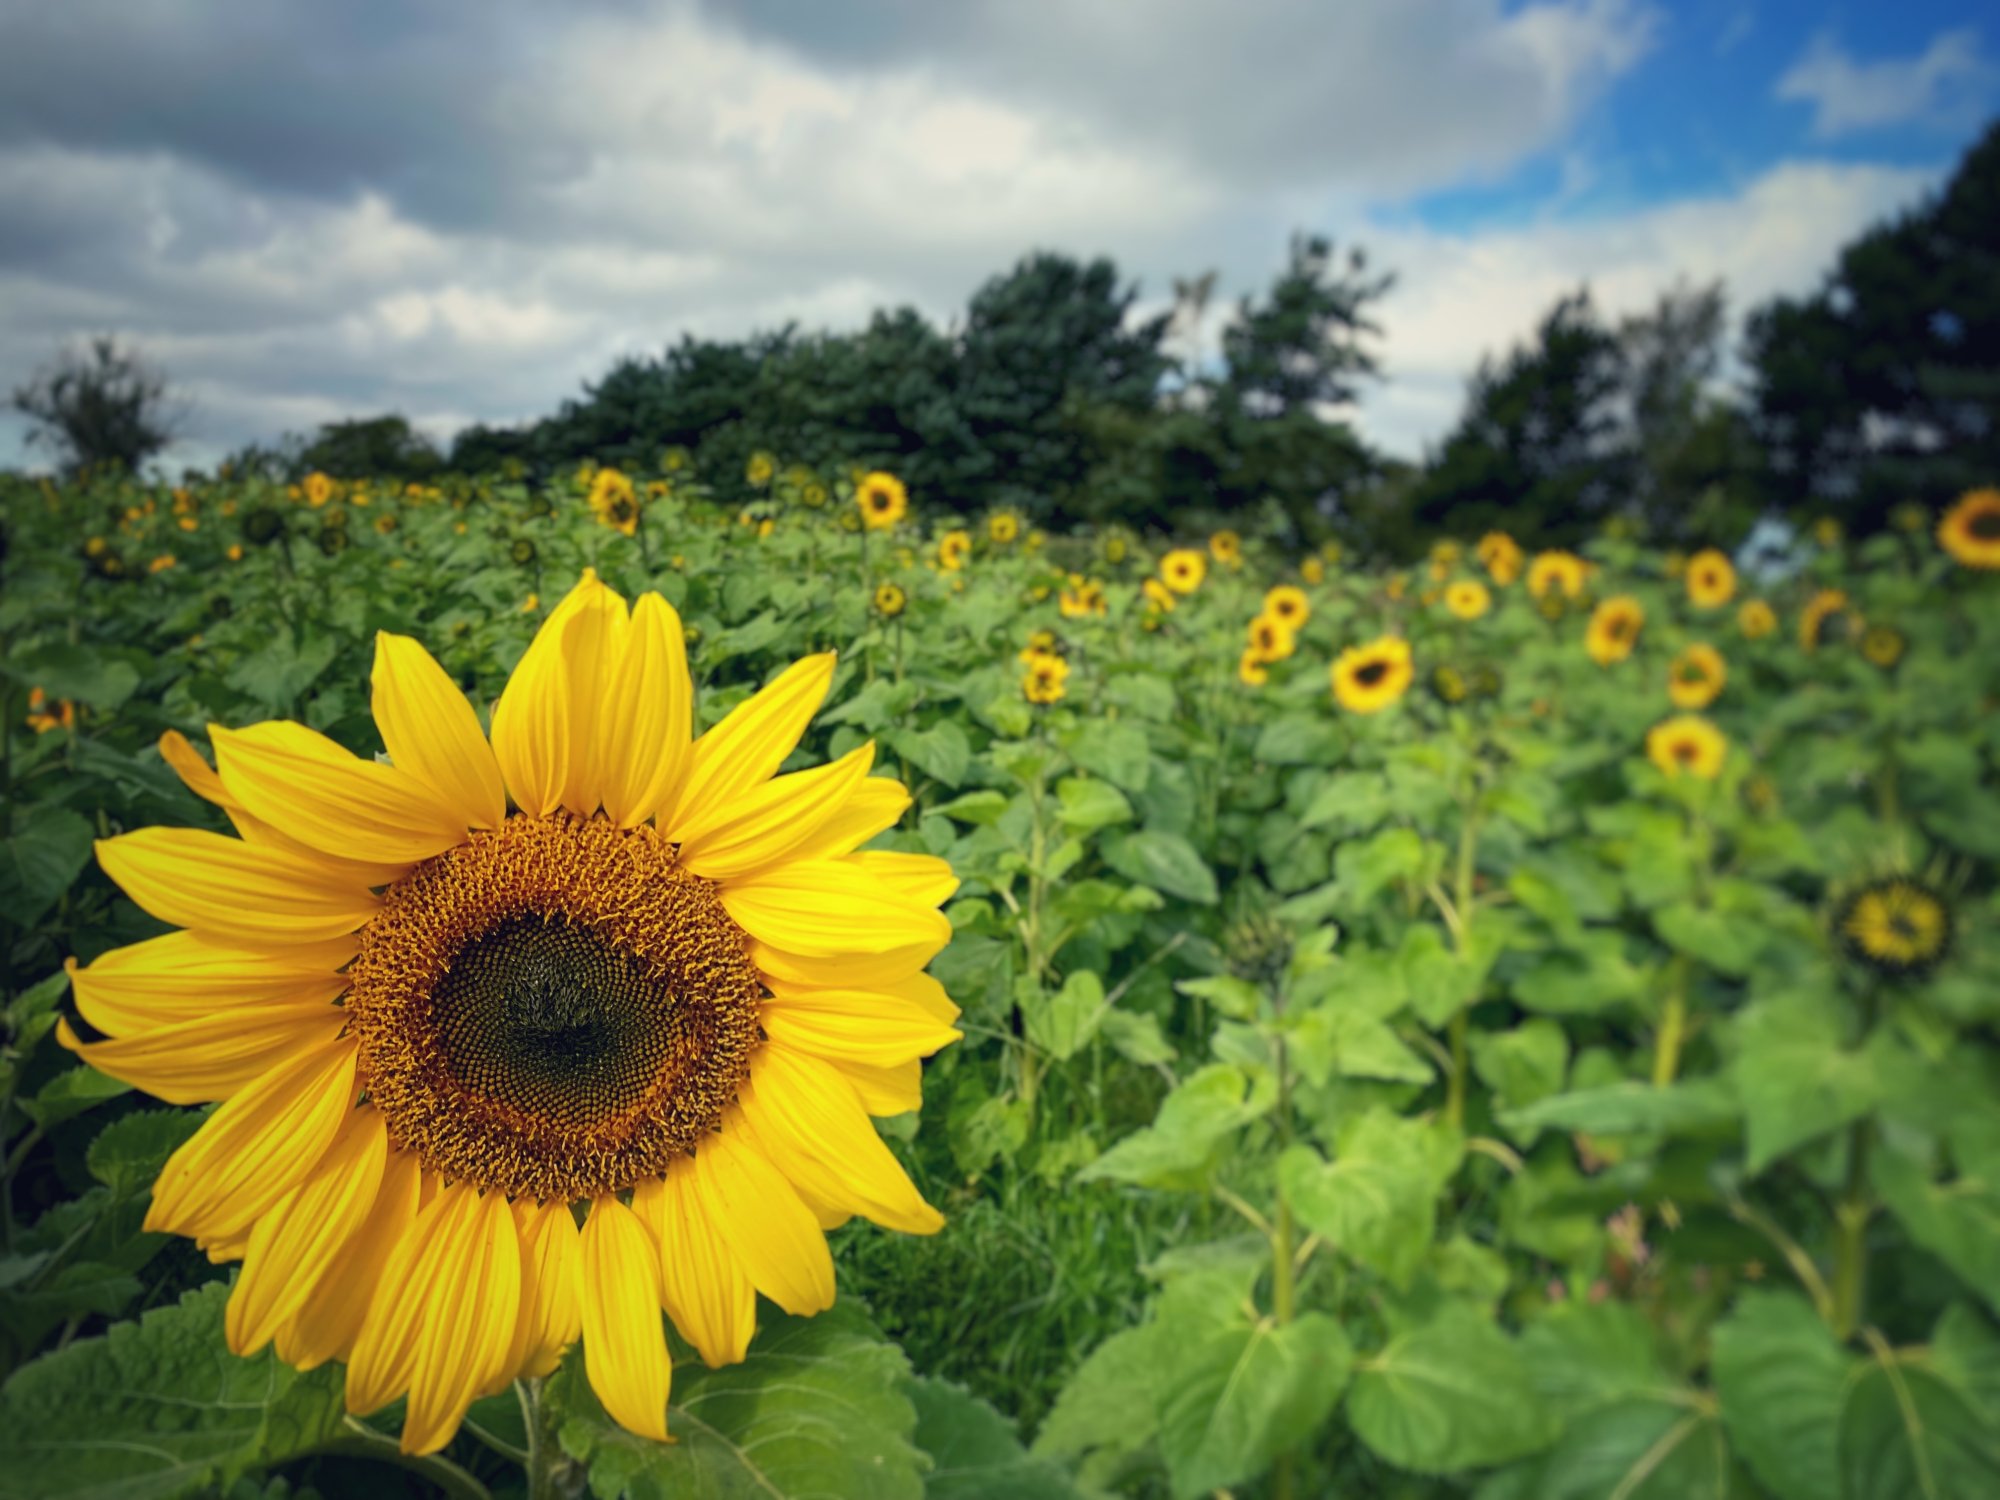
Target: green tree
{"points": [[103, 406], [367, 447]]}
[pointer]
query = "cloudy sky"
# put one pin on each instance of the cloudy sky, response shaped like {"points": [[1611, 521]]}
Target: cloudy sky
{"points": [[464, 210]]}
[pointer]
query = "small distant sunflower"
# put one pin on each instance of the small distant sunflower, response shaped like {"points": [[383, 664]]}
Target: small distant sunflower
{"points": [[1899, 926], [522, 552], [1041, 643], [1331, 552], [1687, 745], [1883, 646], [813, 495], [437, 1026], [1226, 547], [42, 717], [1825, 605], [1468, 599], [1159, 598], [954, 547], [757, 473], [1711, 579], [1970, 530], [161, 563], [1046, 679], [674, 459], [1183, 569], [1251, 669], [1756, 619], [1313, 570], [881, 499], [1081, 597], [1396, 585], [1696, 677], [1501, 556], [1003, 527], [1288, 605], [1557, 573], [1271, 639], [318, 489], [1614, 629], [1114, 547], [1449, 685], [890, 600], [1367, 679], [614, 501]]}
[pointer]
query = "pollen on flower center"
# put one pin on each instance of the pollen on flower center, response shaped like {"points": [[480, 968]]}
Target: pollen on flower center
{"points": [[554, 1008]]}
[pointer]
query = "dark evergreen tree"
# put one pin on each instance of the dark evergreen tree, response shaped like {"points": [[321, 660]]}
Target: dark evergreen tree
{"points": [[100, 407]]}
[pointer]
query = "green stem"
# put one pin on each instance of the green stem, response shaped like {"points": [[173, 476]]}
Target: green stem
{"points": [[1673, 1027], [1852, 1213], [1283, 1270], [551, 1474], [1454, 1099], [358, 1441], [1462, 901]]}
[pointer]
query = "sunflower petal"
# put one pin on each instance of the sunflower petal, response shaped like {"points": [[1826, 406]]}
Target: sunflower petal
{"points": [[467, 1327], [769, 1231], [875, 805], [209, 1057], [531, 724], [811, 1124], [824, 908], [922, 878], [551, 1286], [885, 1091], [593, 651], [293, 1245], [431, 732], [232, 891], [257, 1147], [181, 977], [878, 1027], [752, 741], [704, 1287], [847, 971], [326, 1324], [329, 799], [646, 722], [768, 822], [624, 1347]]}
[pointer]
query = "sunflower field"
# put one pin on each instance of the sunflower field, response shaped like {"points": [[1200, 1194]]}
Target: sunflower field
{"points": [[486, 960]]}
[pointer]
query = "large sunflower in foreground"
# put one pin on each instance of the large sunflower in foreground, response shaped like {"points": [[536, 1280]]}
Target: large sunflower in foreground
{"points": [[450, 1000]]}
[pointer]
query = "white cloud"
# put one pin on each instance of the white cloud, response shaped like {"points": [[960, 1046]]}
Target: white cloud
{"points": [[1943, 85]]}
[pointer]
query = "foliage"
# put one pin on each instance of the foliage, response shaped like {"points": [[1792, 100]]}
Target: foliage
{"points": [[103, 407]]}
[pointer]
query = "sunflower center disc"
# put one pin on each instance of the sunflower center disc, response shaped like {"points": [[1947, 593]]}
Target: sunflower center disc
{"points": [[553, 1008], [1985, 525]]}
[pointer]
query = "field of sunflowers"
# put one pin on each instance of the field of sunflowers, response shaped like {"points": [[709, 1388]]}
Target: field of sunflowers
{"points": [[1525, 1025]]}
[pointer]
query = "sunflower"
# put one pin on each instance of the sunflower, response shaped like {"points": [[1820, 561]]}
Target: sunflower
{"points": [[1046, 679], [614, 501], [1251, 669], [954, 547], [881, 499], [1271, 639], [1898, 926], [1614, 629], [1313, 570], [1883, 646], [1756, 619], [1367, 679], [1183, 569], [1159, 598], [1501, 556], [1557, 572], [1970, 530], [1226, 547], [1695, 680], [1468, 599], [1711, 579], [1687, 745], [318, 489], [1288, 605], [1822, 607], [665, 976], [1448, 685], [757, 473], [1082, 597], [1002, 527], [42, 718], [1041, 643], [889, 600]]}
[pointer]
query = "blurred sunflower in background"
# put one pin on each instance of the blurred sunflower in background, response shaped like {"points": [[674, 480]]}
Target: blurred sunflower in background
{"points": [[1696, 677], [1183, 569], [1711, 579], [1046, 679], [1899, 926], [614, 502], [1687, 745], [1251, 669], [1882, 646], [1825, 605], [1467, 599], [1557, 573], [1367, 679], [1501, 556], [758, 471], [881, 499], [1614, 629], [1003, 527], [1081, 597], [1970, 530], [889, 600], [1271, 639], [664, 986], [1288, 605], [1756, 619], [954, 547], [1226, 547]]}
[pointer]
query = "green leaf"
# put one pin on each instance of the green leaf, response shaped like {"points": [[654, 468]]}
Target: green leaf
{"points": [[1595, 976], [1166, 862], [1115, 750], [1781, 1378], [71, 1093], [941, 752], [1451, 1394], [82, 673], [821, 1407], [1062, 1024], [1795, 1080], [982, 808], [1585, 1354], [1367, 865], [1524, 1065], [974, 1451], [1640, 1449], [1725, 941], [277, 673], [1238, 999], [160, 1408], [1299, 740], [1089, 805], [1630, 1107], [1192, 1123], [128, 1153], [1351, 803], [1905, 1434], [1108, 1403], [1137, 1037], [49, 848], [1958, 1222], [1376, 1201]]}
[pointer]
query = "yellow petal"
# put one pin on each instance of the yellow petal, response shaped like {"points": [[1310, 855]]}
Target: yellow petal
{"points": [[209, 1057], [855, 971], [325, 1325], [257, 1147], [594, 649], [877, 1027], [195, 773], [181, 977], [313, 790], [551, 1285], [885, 1091], [531, 722], [749, 745], [471, 1270], [922, 878], [811, 1124], [431, 732], [292, 1245], [875, 805], [769, 1231], [705, 1290], [645, 724], [768, 823], [624, 1347], [231, 891], [824, 908]]}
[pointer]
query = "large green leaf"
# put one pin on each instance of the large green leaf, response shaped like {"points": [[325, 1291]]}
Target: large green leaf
{"points": [[1451, 1394], [821, 1407], [40, 860], [1063, 1023], [1640, 1448], [1166, 862], [1781, 1378], [1107, 1405], [1795, 1079], [1958, 1221], [1629, 1107], [1114, 749], [1191, 1124], [1376, 1201], [159, 1408], [974, 1451], [1907, 1434]]}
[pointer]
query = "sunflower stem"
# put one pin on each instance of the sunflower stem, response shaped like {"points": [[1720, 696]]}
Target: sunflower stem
{"points": [[359, 1441], [1673, 1026], [1852, 1213]]}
